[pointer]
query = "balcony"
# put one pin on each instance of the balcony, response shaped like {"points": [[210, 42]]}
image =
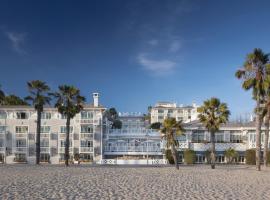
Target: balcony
{"points": [[131, 149], [86, 149], [21, 135], [136, 132], [86, 135], [21, 149], [219, 146], [2, 149], [62, 150], [44, 149]]}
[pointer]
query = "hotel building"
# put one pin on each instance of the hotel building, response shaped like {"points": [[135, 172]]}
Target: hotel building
{"points": [[163, 110], [95, 142], [18, 134]]}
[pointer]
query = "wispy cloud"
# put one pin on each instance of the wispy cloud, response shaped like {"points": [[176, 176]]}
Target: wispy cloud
{"points": [[153, 42], [17, 41], [157, 67]]}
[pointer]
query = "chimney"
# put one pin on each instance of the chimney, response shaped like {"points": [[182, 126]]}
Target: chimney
{"points": [[96, 97]]}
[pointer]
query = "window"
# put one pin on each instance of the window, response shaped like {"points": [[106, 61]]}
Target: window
{"points": [[200, 159], [86, 143], [160, 117], [198, 136], [160, 111], [44, 143], [3, 115], [22, 115], [86, 157], [63, 129], [170, 111], [87, 129], [219, 138], [236, 138], [63, 116], [45, 129], [44, 157], [46, 115], [86, 115], [20, 143], [21, 129], [2, 129], [63, 142]]}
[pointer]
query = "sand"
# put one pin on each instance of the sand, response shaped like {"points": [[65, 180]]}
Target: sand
{"points": [[125, 182]]}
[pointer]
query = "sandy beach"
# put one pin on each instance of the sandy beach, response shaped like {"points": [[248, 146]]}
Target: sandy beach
{"points": [[126, 182]]}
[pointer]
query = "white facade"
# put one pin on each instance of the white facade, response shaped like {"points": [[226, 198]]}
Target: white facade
{"points": [[163, 110], [18, 134]]}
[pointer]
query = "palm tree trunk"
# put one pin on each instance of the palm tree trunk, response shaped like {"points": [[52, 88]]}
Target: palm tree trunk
{"points": [[38, 137], [174, 155], [258, 136], [213, 157], [266, 137], [67, 141]]}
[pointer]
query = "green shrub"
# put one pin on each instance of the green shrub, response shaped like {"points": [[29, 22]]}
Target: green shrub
{"points": [[250, 157], [268, 157], [169, 156], [189, 156]]}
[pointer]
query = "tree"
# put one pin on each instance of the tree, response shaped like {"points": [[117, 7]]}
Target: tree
{"points": [[69, 102], [170, 130], [39, 96], [253, 75], [212, 114], [266, 113], [13, 100], [155, 125], [2, 96], [113, 117], [230, 155]]}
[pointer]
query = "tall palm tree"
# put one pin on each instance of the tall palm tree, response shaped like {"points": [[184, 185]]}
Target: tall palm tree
{"points": [[267, 114], [39, 97], [253, 75], [170, 130], [2, 96], [212, 115], [69, 102]]}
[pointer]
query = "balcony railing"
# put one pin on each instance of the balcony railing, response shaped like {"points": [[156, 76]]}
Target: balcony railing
{"points": [[131, 149], [86, 149], [140, 131], [21, 149], [20, 135], [62, 149], [2, 149], [45, 149]]}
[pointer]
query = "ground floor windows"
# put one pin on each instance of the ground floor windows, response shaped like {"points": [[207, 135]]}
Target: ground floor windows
{"points": [[86, 157], [44, 157], [200, 159], [20, 157], [220, 159], [2, 158]]}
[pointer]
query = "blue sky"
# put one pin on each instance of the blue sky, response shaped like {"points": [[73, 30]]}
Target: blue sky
{"points": [[134, 53]]}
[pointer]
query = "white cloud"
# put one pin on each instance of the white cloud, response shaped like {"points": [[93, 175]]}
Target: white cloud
{"points": [[156, 67], [17, 41]]}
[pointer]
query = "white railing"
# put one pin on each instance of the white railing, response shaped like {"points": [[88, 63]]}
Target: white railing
{"points": [[62, 149], [2, 149], [86, 149], [134, 162], [138, 131], [219, 146], [86, 135], [21, 149], [19, 135], [131, 149], [45, 149]]}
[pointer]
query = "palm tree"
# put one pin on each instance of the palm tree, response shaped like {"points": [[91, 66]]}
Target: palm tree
{"points": [[212, 114], [2, 96], [253, 75], [39, 97], [230, 154], [267, 114], [69, 102], [170, 130]]}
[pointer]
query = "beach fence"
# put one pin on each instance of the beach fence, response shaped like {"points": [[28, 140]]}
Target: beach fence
{"points": [[134, 162]]}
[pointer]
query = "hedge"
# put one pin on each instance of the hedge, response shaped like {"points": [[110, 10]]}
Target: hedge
{"points": [[189, 156], [250, 156]]}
